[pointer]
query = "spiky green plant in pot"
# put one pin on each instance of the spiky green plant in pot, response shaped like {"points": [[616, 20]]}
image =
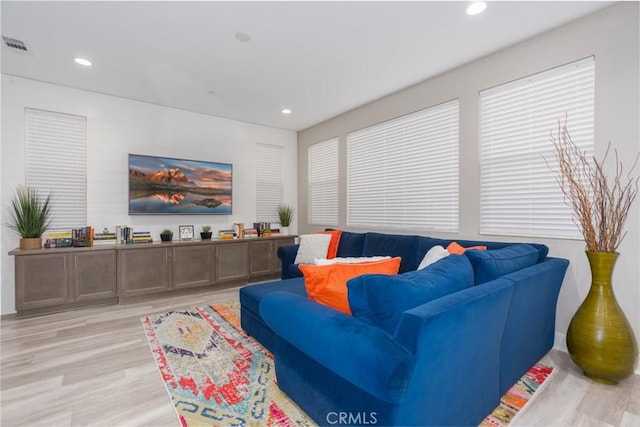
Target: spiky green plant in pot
{"points": [[285, 214], [29, 216]]}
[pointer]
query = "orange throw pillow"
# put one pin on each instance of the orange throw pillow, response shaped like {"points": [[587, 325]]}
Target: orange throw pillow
{"points": [[455, 248], [333, 244], [327, 284]]}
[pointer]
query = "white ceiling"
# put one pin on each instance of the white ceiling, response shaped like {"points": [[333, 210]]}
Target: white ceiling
{"points": [[319, 59]]}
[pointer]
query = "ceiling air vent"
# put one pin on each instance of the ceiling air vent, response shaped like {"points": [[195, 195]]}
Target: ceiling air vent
{"points": [[15, 44]]}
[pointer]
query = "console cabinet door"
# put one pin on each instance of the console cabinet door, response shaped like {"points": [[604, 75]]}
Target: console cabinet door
{"points": [[191, 266], [41, 280], [232, 261], [143, 271], [94, 275], [261, 257]]}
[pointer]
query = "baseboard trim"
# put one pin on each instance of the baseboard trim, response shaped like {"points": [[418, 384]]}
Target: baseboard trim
{"points": [[9, 316], [560, 343]]}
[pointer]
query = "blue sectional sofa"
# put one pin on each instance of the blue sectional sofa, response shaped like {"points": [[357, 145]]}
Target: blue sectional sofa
{"points": [[438, 346]]}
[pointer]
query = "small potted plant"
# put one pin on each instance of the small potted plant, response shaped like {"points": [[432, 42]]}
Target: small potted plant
{"points": [[266, 232], [29, 217], [166, 235], [285, 213], [205, 234]]}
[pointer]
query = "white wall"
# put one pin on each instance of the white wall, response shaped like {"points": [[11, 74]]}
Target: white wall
{"points": [[116, 127], [611, 35]]}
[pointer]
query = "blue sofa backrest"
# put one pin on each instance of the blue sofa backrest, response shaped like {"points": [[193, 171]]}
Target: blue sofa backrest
{"points": [[393, 245], [350, 244], [426, 243], [410, 247]]}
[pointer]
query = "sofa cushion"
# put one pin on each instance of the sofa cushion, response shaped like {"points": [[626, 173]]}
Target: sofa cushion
{"points": [[434, 254], [457, 248], [327, 284], [350, 260], [426, 243], [312, 246], [381, 300], [251, 295], [333, 244], [491, 264], [351, 244], [405, 247], [543, 250]]}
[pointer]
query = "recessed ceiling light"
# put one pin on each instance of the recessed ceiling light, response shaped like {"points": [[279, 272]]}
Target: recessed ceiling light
{"points": [[285, 111], [243, 37], [476, 8], [83, 61]]}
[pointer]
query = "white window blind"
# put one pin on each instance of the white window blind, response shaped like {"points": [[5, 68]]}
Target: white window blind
{"points": [[323, 182], [403, 173], [56, 164], [269, 187], [519, 193]]}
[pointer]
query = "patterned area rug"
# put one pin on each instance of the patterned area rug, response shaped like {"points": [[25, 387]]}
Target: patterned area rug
{"points": [[214, 373], [217, 375], [518, 396]]}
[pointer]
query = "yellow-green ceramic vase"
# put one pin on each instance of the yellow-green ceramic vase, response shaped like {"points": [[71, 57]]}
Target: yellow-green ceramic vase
{"points": [[600, 339]]}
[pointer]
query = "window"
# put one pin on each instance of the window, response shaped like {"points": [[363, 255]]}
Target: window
{"points": [[403, 173], [56, 164], [323, 183], [269, 187], [519, 193]]}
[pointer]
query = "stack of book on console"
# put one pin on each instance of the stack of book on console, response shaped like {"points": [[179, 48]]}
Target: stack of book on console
{"points": [[226, 234], [58, 240], [141, 237], [123, 234], [104, 239], [250, 232], [82, 237]]}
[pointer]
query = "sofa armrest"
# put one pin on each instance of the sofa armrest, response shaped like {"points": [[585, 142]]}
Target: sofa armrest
{"points": [[364, 355], [287, 255], [531, 324], [457, 342]]}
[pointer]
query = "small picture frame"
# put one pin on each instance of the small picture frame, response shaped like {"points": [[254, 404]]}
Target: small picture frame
{"points": [[186, 232]]}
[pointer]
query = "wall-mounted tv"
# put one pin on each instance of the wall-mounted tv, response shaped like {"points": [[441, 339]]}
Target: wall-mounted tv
{"points": [[162, 185]]}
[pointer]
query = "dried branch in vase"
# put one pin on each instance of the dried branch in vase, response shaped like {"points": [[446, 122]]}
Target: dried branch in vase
{"points": [[599, 207]]}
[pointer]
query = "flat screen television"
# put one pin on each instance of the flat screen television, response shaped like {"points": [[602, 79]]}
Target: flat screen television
{"points": [[162, 185]]}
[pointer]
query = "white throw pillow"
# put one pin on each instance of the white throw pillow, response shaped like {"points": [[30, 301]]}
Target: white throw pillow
{"points": [[312, 246], [434, 254], [350, 260]]}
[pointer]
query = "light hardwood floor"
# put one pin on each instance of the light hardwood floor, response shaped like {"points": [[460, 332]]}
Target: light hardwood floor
{"points": [[94, 367]]}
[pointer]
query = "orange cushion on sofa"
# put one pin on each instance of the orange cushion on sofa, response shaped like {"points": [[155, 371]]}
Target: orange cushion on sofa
{"points": [[333, 244], [455, 248], [327, 284]]}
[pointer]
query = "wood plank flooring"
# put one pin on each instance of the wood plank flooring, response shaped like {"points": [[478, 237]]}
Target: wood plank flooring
{"points": [[93, 367]]}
